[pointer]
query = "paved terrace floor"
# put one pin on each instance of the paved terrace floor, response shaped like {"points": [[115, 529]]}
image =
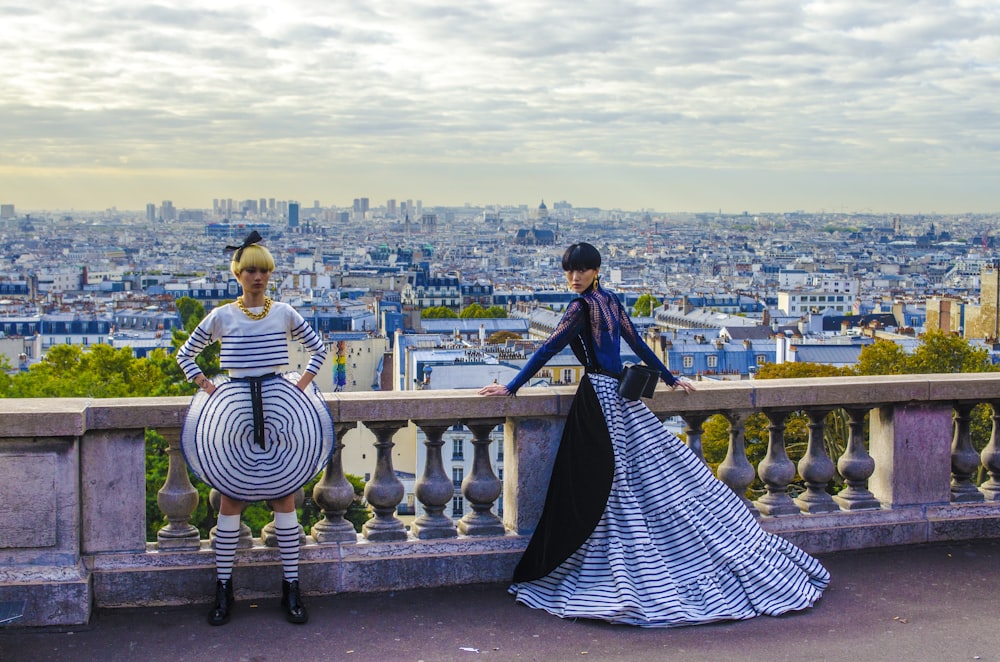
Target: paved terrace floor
{"points": [[923, 603]]}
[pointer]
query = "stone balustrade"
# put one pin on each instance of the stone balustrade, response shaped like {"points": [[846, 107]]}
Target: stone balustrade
{"points": [[72, 487]]}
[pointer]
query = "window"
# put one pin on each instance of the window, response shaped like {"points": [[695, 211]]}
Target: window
{"points": [[688, 361], [712, 360], [567, 377], [761, 359], [457, 449], [457, 506], [457, 474]]}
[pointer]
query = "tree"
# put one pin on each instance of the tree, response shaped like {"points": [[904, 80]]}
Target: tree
{"points": [[645, 305], [476, 311], [496, 312], [102, 371], [191, 311], [438, 312], [940, 352], [883, 357], [792, 370], [472, 311], [937, 353]]}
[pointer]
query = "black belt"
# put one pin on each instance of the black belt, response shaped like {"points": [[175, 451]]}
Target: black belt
{"points": [[602, 371], [257, 404]]}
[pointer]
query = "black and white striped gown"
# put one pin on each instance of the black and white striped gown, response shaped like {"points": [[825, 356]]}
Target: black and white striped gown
{"points": [[674, 546]]}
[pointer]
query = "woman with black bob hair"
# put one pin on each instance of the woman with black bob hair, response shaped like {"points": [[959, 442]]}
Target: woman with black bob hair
{"points": [[635, 528]]}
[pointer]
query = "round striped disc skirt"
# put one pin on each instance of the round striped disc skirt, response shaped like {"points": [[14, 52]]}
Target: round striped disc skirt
{"points": [[219, 444]]}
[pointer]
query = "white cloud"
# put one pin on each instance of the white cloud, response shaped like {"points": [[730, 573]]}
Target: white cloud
{"points": [[309, 86]]}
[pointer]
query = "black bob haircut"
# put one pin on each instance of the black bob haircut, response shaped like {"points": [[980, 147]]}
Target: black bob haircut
{"points": [[580, 257]]}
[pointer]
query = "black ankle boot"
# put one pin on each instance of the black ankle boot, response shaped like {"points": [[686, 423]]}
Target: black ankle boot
{"points": [[291, 601], [223, 603]]}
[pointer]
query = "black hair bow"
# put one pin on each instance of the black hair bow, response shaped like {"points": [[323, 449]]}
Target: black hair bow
{"points": [[252, 238]]}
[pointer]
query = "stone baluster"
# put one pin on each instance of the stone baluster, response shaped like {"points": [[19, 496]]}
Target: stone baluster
{"points": [[692, 430], [384, 491], [246, 535], [481, 487], [856, 466], [434, 489], [964, 458], [776, 470], [177, 500], [334, 494], [736, 470], [991, 459], [816, 468]]}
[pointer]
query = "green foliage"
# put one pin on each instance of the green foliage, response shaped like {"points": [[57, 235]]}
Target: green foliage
{"points": [[69, 371], [496, 312], [791, 370], [938, 352], [438, 312], [645, 305], [476, 311], [5, 378], [883, 357], [359, 512], [472, 311], [191, 311]]}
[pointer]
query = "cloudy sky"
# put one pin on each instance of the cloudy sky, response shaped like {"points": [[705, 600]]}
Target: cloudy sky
{"points": [[672, 105]]}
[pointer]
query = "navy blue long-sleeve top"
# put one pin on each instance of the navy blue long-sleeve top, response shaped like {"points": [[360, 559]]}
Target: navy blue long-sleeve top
{"points": [[603, 313]]}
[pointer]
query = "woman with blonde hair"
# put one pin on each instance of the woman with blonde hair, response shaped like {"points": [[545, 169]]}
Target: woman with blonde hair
{"points": [[256, 435]]}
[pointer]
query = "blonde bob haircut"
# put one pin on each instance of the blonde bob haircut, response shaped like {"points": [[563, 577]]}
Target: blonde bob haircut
{"points": [[254, 255]]}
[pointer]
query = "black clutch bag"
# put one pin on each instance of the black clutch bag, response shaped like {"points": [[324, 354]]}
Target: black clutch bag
{"points": [[638, 381]]}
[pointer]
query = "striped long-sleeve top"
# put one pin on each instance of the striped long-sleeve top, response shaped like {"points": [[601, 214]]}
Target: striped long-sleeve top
{"points": [[251, 348]]}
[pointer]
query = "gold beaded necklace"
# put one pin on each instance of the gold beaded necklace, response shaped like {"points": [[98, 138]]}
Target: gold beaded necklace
{"points": [[254, 316]]}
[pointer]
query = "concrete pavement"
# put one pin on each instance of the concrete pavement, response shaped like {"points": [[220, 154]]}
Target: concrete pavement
{"points": [[928, 603]]}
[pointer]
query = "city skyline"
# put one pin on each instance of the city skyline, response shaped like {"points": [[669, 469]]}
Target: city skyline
{"points": [[764, 105]]}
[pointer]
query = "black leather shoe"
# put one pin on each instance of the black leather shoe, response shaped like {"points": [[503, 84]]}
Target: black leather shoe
{"points": [[291, 602], [223, 603]]}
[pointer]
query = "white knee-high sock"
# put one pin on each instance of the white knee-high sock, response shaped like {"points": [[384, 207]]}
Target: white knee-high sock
{"points": [[286, 529], [227, 535]]}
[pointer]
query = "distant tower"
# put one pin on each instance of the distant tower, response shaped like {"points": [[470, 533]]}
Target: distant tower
{"points": [[543, 212], [293, 215], [151, 213], [167, 211], [989, 303]]}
